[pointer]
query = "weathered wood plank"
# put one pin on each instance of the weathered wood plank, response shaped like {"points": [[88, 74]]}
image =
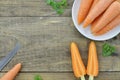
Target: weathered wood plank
{"points": [[45, 44], [66, 76], [30, 8]]}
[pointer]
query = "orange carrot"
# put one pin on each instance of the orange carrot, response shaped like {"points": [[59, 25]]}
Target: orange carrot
{"points": [[110, 26], [95, 22], [112, 12], [84, 9], [93, 4], [77, 63], [12, 73], [98, 9], [118, 0], [92, 67]]}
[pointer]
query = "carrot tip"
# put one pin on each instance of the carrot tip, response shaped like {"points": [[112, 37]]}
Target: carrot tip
{"points": [[95, 34], [86, 23], [92, 32], [79, 22], [19, 64], [72, 43]]}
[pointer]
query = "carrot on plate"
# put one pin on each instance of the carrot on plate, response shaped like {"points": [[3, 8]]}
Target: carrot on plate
{"points": [[77, 63], [93, 4], [93, 24], [114, 23], [118, 0], [112, 12], [10, 75], [83, 10], [92, 67], [97, 10]]}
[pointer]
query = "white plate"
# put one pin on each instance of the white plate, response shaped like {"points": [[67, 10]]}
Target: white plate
{"points": [[86, 31]]}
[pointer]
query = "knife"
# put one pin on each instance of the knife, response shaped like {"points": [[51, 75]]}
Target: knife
{"points": [[8, 58]]}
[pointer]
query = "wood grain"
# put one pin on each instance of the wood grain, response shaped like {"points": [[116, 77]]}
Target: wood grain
{"points": [[45, 44], [30, 8], [45, 38], [66, 76]]}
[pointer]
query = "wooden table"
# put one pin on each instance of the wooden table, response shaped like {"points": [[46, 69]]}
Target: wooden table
{"points": [[45, 39]]}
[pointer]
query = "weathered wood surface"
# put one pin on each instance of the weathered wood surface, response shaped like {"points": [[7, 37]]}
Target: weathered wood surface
{"points": [[45, 44], [45, 38], [30, 8], [66, 76]]}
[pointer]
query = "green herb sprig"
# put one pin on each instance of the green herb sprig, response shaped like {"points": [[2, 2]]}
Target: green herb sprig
{"points": [[37, 77], [107, 49], [58, 6]]}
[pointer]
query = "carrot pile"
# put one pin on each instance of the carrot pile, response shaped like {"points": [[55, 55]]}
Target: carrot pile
{"points": [[103, 15], [77, 64]]}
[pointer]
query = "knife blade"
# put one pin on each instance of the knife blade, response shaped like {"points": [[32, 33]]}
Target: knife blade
{"points": [[8, 58]]}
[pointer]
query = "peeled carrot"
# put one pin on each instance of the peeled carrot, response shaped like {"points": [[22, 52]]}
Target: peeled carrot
{"points": [[77, 63], [110, 26], [118, 0], [95, 22], [112, 12], [93, 4], [92, 67], [12, 73], [84, 9], [98, 9]]}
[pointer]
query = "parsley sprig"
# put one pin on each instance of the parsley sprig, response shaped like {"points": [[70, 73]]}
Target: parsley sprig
{"points": [[37, 77], [58, 6], [108, 49]]}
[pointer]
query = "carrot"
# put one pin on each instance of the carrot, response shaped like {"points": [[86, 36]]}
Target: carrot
{"points": [[98, 9], [84, 9], [92, 67], [77, 63], [118, 0], [12, 73], [95, 22], [110, 26], [93, 4], [109, 15]]}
